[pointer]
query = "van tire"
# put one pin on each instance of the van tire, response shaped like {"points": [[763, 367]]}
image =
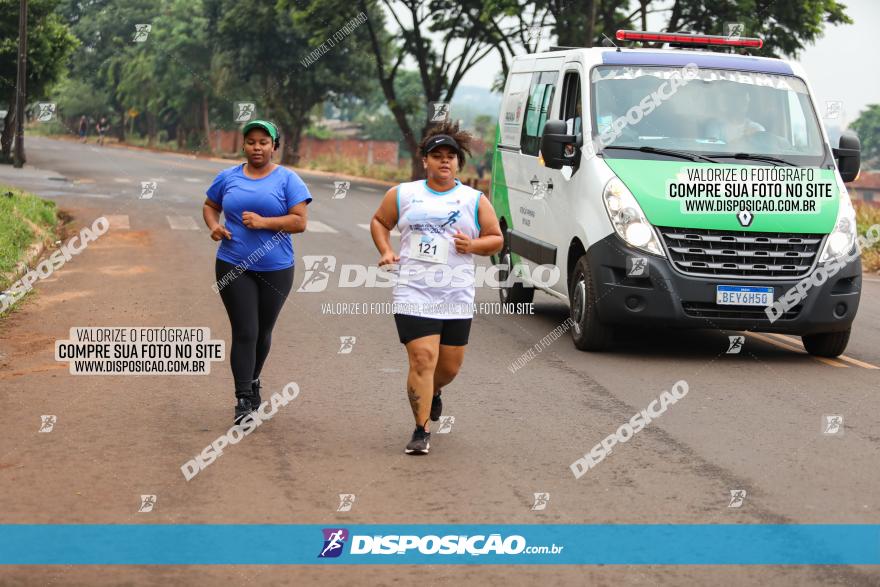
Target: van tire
{"points": [[827, 344], [587, 332], [517, 293]]}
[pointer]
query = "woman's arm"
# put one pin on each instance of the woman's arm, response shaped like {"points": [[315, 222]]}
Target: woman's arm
{"points": [[293, 222], [490, 240], [380, 227], [211, 214]]}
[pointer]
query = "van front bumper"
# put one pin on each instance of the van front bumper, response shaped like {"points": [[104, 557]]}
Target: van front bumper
{"points": [[663, 296]]}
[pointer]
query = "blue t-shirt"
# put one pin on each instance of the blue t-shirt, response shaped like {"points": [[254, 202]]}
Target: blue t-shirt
{"points": [[272, 195]]}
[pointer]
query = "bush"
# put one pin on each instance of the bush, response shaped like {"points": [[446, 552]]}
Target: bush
{"points": [[345, 166], [867, 216], [16, 233]]}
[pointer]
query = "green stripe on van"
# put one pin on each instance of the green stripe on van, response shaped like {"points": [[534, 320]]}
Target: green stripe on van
{"points": [[648, 181]]}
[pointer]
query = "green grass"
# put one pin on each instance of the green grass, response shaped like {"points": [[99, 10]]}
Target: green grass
{"points": [[16, 235], [867, 216]]}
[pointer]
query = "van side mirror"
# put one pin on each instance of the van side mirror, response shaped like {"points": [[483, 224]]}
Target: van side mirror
{"points": [[848, 155], [553, 143]]}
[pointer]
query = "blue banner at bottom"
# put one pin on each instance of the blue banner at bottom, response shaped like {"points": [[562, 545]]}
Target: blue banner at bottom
{"points": [[563, 544]]}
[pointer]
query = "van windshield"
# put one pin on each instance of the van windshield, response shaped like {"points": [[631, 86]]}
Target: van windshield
{"points": [[708, 112]]}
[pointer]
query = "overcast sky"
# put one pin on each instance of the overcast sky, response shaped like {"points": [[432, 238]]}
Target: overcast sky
{"points": [[841, 65]]}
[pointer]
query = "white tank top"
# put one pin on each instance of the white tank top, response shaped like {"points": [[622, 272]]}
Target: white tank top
{"points": [[435, 281]]}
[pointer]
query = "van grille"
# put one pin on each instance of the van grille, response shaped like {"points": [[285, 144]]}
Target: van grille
{"points": [[710, 310], [698, 251]]}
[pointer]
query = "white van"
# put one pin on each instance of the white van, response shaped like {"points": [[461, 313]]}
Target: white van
{"points": [[679, 187]]}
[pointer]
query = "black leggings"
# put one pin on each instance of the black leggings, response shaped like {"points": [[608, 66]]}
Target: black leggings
{"points": [[253, 300]]}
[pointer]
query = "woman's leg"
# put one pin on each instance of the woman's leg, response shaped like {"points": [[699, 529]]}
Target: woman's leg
{"points": [[274, 289], [422, 353], [240, 299], [448, 364]]}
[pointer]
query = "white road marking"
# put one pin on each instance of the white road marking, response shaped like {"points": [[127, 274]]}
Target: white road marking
{"points": [[122, 180], [193, 180], [315, 226], [119, 221], [182, 223]]}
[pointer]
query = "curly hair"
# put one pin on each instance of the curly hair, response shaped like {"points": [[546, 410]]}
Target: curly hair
{"points": [[462, 137]]}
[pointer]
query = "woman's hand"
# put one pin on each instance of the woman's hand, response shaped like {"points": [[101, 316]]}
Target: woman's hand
{"points": [[220, 232], [389, 258], [462, 242], [253, 220]]}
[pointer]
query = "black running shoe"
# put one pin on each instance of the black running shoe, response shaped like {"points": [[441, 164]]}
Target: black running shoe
{"points": [[420, 443], [242, 409], [255, 393], [436, 408]]}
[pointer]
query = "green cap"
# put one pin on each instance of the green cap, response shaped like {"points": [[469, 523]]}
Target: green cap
{"points": [[263, 124]]}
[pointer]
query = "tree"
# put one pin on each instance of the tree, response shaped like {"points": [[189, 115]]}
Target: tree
{"points": [[168, 77], [475, 25], [786, 26], [50, 45], [105, 29], [272, 59], [867, 126]]}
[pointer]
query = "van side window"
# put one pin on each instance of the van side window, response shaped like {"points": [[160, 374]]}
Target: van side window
{"points": [[537, 110], [571, 103]]}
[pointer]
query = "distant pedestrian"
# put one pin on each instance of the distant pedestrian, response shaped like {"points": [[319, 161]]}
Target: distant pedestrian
{"points": [[102, 127], [83, 128]]}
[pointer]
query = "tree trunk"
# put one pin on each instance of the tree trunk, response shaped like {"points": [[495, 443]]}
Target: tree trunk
{"points": [[206, 122], [291, 138], [120, 130], [8, 133], [151, 129]]}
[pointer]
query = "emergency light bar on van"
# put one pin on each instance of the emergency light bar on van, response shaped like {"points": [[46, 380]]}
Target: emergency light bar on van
{"points": [[689, 39]]}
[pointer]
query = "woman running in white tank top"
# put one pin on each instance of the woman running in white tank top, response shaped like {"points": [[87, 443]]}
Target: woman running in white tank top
{"points": [[443, 224]]}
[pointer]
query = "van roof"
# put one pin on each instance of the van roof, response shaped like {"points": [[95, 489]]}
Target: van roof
{"points": [[666, 57]]}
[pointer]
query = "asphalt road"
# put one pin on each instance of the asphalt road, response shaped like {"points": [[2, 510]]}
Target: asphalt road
{"points": [[751, 421]]}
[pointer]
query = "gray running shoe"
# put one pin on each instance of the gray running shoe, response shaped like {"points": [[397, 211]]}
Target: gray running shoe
{"points": [[420, 443]]}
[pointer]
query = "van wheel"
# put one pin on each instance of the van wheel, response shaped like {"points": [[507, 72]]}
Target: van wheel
{"points": [[588, 333], [517, 293], [826, 344]]}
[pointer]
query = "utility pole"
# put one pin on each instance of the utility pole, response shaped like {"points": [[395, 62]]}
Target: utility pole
{"points": [[20, 91]]}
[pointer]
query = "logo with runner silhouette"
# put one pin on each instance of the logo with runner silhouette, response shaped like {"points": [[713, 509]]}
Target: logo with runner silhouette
{"points": [[735, 344], [318, 270], [450, 220], [541, 501], [433, 222], [737, 498], [346, 345], [147, 503], [346, 501], [334, 541], [48, 423], [832, 424], [45, 111]]}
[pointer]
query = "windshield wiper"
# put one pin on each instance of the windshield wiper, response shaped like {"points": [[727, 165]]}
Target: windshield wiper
{"points": [[754, 157], [682, 154]]}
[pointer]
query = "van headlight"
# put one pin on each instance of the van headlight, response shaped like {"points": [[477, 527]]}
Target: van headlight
{"points": [[843, 238], [628, 219]]}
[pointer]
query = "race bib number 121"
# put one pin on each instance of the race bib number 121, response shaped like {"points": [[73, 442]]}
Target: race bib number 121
{"points": [[430, 248]]}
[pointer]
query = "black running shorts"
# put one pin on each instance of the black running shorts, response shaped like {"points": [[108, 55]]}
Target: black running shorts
{"points": [[453, 332]]}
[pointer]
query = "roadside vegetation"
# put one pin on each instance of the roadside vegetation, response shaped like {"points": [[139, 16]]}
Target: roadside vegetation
{"points": [[25, 220]]}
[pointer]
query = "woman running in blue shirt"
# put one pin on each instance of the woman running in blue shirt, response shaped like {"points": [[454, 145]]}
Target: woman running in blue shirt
{"points": [[263, 204]]}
